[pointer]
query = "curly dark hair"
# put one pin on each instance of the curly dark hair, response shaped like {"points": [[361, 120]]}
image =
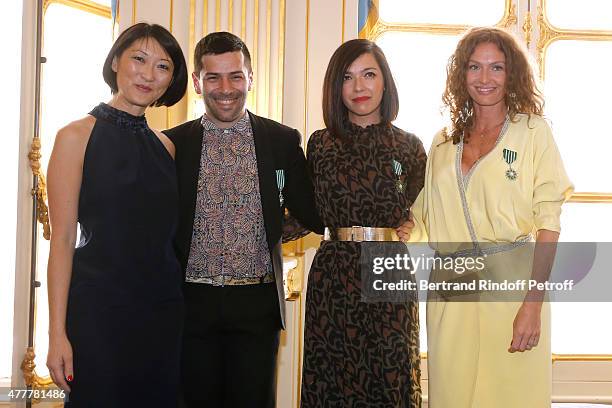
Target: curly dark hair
{"points": [[522, 93]]}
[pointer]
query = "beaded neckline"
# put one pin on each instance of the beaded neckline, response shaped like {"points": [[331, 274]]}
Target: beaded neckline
{"points": [[119, 117]]}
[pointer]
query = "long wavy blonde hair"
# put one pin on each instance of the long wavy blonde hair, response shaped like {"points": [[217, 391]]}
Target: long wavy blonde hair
{"points": [[522, 93]]}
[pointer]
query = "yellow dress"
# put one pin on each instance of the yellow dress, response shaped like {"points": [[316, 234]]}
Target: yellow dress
{"points": [[468, 362]]}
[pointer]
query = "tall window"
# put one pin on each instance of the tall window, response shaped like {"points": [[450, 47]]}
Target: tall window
{"points": [[571, 45], [575, 41], [77, 35], [10, 30]]}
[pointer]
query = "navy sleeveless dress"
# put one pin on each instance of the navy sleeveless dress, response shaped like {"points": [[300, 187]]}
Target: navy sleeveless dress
{"points": [[125, 306]]}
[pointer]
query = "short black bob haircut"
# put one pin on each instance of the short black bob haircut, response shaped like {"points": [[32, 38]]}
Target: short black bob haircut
{"points": [[178, 84], [335, 113], [217, 43]]}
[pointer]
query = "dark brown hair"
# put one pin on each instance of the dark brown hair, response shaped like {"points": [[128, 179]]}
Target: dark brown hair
{"points": [[522, 93], [335, 113], [178, 84], [219, 43]]}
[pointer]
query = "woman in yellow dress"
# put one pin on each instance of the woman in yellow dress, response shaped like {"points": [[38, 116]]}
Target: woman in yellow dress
{"points": [[495, 180]]}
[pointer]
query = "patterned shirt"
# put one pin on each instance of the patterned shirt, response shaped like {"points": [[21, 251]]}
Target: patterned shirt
{"points": [[228, 245]]}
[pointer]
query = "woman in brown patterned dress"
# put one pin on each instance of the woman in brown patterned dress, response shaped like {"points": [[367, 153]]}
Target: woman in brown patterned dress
{"points": [[366, 172]]}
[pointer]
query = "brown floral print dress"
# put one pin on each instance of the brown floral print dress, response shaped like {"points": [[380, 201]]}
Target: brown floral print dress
{"points": [[359, 354]]}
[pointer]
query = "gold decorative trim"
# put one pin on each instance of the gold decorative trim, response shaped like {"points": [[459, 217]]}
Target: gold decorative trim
{"points": [[40, 190], [306, 49], [581, 357], [170, 26], [440, 29], [255, 55], [281, 61], [509, 18], [375, 27], [343, 18], [300, 344], [134, 12], [591, 198], [171, 15], [295, 278], [527, 28], [549, 33], [243, 16], [268, 50], [218, 15], [191, 95], [566, 357], [84, 5], [33, 380], [204, 18], [230, 15]]}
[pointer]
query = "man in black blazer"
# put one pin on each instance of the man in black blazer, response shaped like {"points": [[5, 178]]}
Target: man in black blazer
{"points": [[237, 172]]}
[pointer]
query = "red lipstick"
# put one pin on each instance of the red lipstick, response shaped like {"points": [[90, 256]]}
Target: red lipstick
{"points": [[360, 99]]}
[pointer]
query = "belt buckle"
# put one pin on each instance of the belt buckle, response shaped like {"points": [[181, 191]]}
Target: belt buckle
{"points": [[357, 233]]}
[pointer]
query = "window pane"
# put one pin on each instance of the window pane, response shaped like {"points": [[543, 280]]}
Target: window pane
{"points": [[579, 328], [72, 85], [418, 62], [583, 222], [468, 12], [577, 103], [586, 222], [588, 14], [10, 29]]}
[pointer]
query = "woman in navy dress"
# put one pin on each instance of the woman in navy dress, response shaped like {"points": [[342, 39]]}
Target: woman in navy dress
{"points": [[115, 303]]}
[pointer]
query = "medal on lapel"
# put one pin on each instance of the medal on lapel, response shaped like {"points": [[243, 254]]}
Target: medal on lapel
{"points": [[280, 183], [397, 169], [510, 157]]}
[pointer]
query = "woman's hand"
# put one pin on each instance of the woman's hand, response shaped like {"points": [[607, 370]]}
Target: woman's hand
{"points": [[59, 361], [404, 230], [526, 327]]}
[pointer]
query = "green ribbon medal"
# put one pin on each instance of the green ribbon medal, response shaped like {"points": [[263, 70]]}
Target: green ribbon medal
{"points": [[280, 183], [397, 169], [510, 157]]}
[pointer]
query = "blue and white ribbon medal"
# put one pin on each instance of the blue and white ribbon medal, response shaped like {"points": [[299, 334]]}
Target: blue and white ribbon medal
{"points": [[280, 183]]}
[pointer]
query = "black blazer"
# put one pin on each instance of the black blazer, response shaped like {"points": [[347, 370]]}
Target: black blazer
{"points": [[276, 147]]}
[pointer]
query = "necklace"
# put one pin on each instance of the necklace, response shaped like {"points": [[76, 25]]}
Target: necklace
{"points": [[484, 131]]}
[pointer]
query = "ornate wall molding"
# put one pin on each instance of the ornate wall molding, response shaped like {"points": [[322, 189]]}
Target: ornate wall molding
{"points": [[379, 26], [527, 26], [261, 24], [549, 34], [40, 188], [84, 5]]}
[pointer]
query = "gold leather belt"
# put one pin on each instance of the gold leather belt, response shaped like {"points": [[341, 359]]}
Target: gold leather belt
{"points": [[360, 234]]}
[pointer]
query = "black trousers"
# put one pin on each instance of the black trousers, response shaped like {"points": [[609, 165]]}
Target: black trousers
{"points": [[230, 345]]}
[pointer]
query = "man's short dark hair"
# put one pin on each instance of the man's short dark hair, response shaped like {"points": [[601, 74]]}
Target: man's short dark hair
{"points": [[219, 43], [178, 84]]}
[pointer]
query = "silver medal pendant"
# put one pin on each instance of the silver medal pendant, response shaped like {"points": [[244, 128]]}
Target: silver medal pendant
{"points": [[510, 157], [399, 185], [397, 170], [511, 174]]}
